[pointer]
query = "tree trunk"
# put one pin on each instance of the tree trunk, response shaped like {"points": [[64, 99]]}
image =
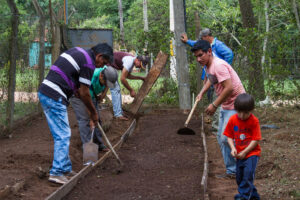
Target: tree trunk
{"points": [[295, 9], [12, 58], [42, 40], [266, 37], [145, 15], [256, 82], [181, 57], [55, 32], [198, 66], [121, 23]]}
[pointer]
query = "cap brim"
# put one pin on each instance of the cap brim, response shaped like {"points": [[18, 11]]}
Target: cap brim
{"points": [[110, 84], [142, 65]]}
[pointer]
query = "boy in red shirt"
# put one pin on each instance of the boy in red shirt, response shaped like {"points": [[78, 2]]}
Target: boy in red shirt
{"points": [[243, 132]]}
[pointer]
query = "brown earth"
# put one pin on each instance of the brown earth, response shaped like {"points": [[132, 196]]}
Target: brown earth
{"points": [[27, 157], [159, 164], [278, 170]]}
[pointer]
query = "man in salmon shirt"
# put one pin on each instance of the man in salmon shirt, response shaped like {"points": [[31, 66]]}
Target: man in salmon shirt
{"points": [[227, 87], [243, 132]]}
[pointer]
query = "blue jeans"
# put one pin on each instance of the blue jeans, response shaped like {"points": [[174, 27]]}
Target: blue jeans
{"points": [[116, 99], [83, 120], [57, 118], [245, 174], [229, 161]]}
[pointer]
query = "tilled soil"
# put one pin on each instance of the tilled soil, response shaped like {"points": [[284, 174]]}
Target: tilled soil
{"points": [[159, 164], [26, 157]]}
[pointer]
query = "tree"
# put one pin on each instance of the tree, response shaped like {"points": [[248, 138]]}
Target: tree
{"points": [[12, 58], [256, 82], [181, 57], [121, 23], [41, 40]]}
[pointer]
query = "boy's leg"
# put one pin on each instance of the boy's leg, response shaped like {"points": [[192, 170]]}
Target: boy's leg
{"points": [[57, 118], [229, 161], [246, 187], [116, 100]]}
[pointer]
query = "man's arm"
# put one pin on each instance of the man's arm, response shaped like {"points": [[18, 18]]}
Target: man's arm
{"points": [[125, 82], [225, 52], [185, 39], [132, 77], [204, 89], [102, 95], [84, 94], [228, 88]]}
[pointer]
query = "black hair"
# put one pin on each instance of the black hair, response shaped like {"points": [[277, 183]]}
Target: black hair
{"points": [[105, 50], [201, 44], [244, 103]]}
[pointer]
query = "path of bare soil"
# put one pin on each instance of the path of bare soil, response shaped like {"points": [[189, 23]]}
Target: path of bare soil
{"points": [[27, 157], [159, 164], [278, 171]]}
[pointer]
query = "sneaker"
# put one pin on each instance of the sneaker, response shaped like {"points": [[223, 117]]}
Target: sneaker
{"points": [[58, 179], [70, 174], [231, 176]]}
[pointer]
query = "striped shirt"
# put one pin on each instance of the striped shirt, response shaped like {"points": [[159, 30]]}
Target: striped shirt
{"points": [[73, 67]]}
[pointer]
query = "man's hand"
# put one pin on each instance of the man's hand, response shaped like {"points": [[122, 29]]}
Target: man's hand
{"points": [[92, 125], [184, 38], [199, 96], [94, 117], [210, 110], [132, 93]]}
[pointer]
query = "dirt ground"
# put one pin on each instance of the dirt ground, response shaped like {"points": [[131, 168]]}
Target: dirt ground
{"points": [[278, 170], [26, 158], [159, 164]]}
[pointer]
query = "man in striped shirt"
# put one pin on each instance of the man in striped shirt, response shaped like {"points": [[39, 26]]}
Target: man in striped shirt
{"points": [[70, 74]]}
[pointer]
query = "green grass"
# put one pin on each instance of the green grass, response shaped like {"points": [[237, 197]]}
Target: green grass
{"points": [[21, 110]]}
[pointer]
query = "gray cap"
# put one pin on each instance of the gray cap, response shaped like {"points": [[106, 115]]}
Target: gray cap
{"points": [[205, 32], [111, 76], [144, 60]]}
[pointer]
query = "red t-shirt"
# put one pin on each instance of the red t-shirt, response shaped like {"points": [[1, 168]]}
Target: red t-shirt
{"points": [[243, 132]]}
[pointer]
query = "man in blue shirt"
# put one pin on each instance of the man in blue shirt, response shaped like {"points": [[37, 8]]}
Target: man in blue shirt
{"points": [[70, 74]]}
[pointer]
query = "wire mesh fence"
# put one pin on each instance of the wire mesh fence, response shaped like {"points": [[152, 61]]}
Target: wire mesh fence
{"points": [[26, 77]]}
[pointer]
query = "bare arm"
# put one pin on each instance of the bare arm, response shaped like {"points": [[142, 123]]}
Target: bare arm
{"points": [[84, 94], [132, 77], [204, 89], [231, 144], [227, 84], [124, 81], [249, 148], [103, 94]]}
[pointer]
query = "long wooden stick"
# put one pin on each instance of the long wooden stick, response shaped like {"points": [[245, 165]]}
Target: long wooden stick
{"points": [[109, 144], [191, 113]]}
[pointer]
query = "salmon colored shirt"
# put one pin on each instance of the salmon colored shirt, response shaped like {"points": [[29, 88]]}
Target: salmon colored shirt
{"points": [[219, 71], [243, 132]]}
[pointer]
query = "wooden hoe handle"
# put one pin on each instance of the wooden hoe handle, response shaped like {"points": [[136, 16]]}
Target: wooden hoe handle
{"points": [[191, 113]]}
